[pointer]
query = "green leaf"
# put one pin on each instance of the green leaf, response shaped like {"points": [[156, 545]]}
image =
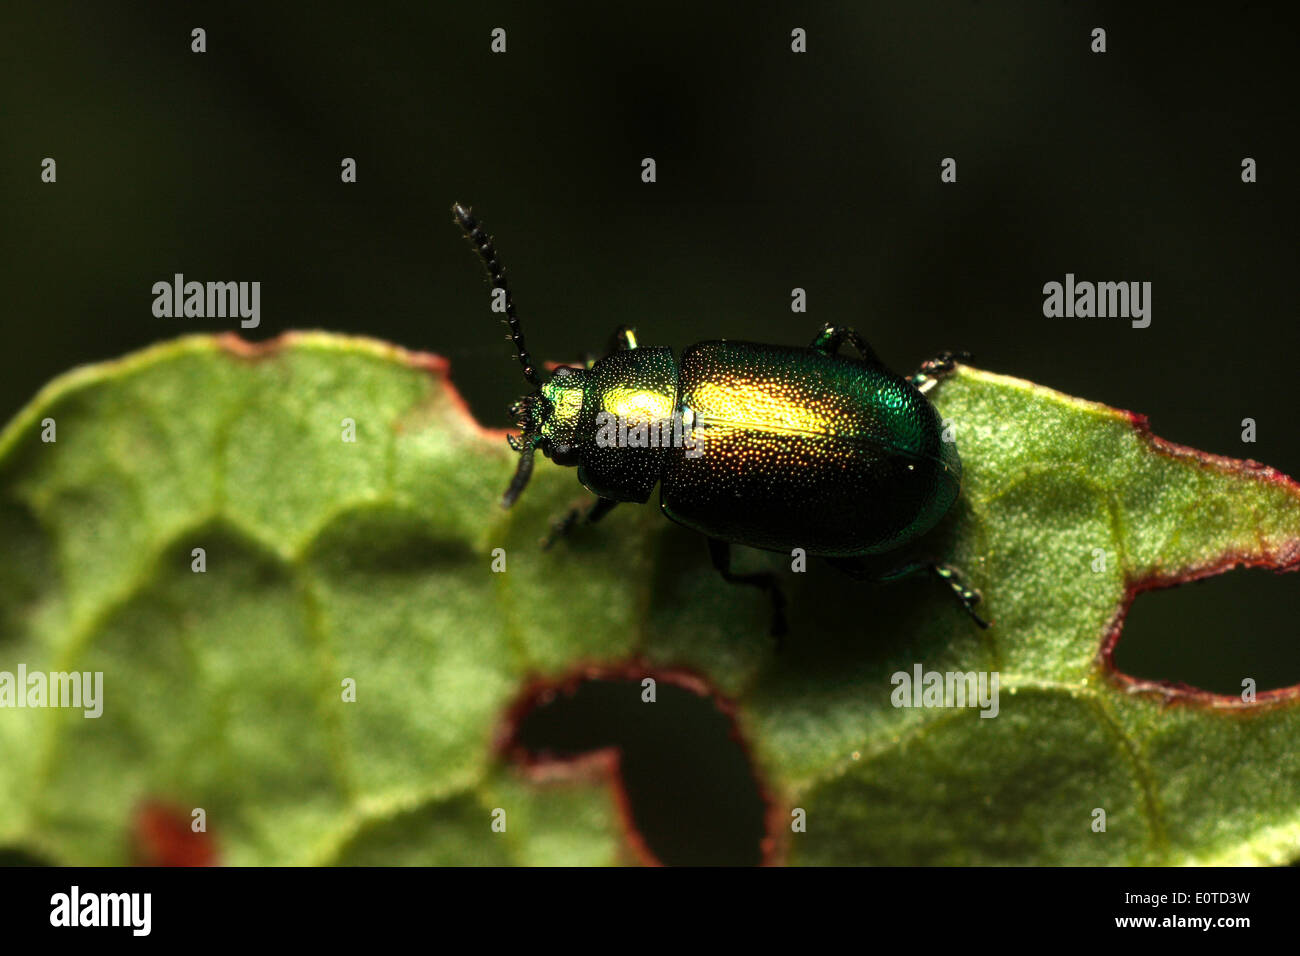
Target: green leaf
{"points": [[329, 560]]}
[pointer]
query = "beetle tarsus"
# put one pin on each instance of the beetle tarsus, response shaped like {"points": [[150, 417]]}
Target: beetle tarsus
{"points": [[968, 596], [590, 514], [935, 370]]}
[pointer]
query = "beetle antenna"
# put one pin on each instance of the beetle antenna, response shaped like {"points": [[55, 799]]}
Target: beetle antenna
{"points": [[482, 243], [523, 471]]}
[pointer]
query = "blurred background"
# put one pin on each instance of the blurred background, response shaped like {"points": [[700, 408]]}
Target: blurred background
{"points": [[775, 170]]}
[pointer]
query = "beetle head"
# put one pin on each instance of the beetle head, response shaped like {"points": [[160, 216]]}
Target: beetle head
{"points": [[548, 421]]}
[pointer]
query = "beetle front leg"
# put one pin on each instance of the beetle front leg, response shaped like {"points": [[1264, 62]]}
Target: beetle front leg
{"points": [[830, 339], [935, 370], [720, 553], [588, 515], [624, 338]]}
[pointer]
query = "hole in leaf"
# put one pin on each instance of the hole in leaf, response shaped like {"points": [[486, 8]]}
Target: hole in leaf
{"points": [[689, 783], [1215, 632]]}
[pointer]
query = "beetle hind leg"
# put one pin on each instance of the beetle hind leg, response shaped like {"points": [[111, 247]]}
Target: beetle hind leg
{"points": [[720, 553], [864, 569], [966, 595]]}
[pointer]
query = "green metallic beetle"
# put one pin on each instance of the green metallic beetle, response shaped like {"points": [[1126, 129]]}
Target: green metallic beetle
{"points": [[771, 446]]}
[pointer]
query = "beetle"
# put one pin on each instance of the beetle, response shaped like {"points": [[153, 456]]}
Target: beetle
{"points": [[771, 446]]}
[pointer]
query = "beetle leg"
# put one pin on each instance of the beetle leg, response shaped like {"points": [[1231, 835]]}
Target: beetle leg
{"points": [[720, 553], [867, 570], [968, 596], [588, 515], [936, 369], [830, 339], [624, 338]]}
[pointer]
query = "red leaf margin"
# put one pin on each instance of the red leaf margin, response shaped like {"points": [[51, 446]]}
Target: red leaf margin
{"points": [[163, 836], [1284, 560], [604, 763]]}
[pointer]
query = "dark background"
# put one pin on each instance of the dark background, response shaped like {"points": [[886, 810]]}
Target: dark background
{"points": [[775, 170]]}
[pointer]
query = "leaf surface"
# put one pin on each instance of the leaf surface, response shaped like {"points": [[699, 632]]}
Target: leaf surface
{"points": [[370, 561]]}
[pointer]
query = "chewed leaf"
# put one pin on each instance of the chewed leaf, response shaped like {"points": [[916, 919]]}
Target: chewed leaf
{"points": [[313, 622]]}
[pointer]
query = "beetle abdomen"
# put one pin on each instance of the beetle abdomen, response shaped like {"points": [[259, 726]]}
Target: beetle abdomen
{"points": [[797, 448]]}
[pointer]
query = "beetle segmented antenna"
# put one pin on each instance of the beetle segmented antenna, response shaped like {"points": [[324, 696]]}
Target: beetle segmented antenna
{"points": [[482, 243]]}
